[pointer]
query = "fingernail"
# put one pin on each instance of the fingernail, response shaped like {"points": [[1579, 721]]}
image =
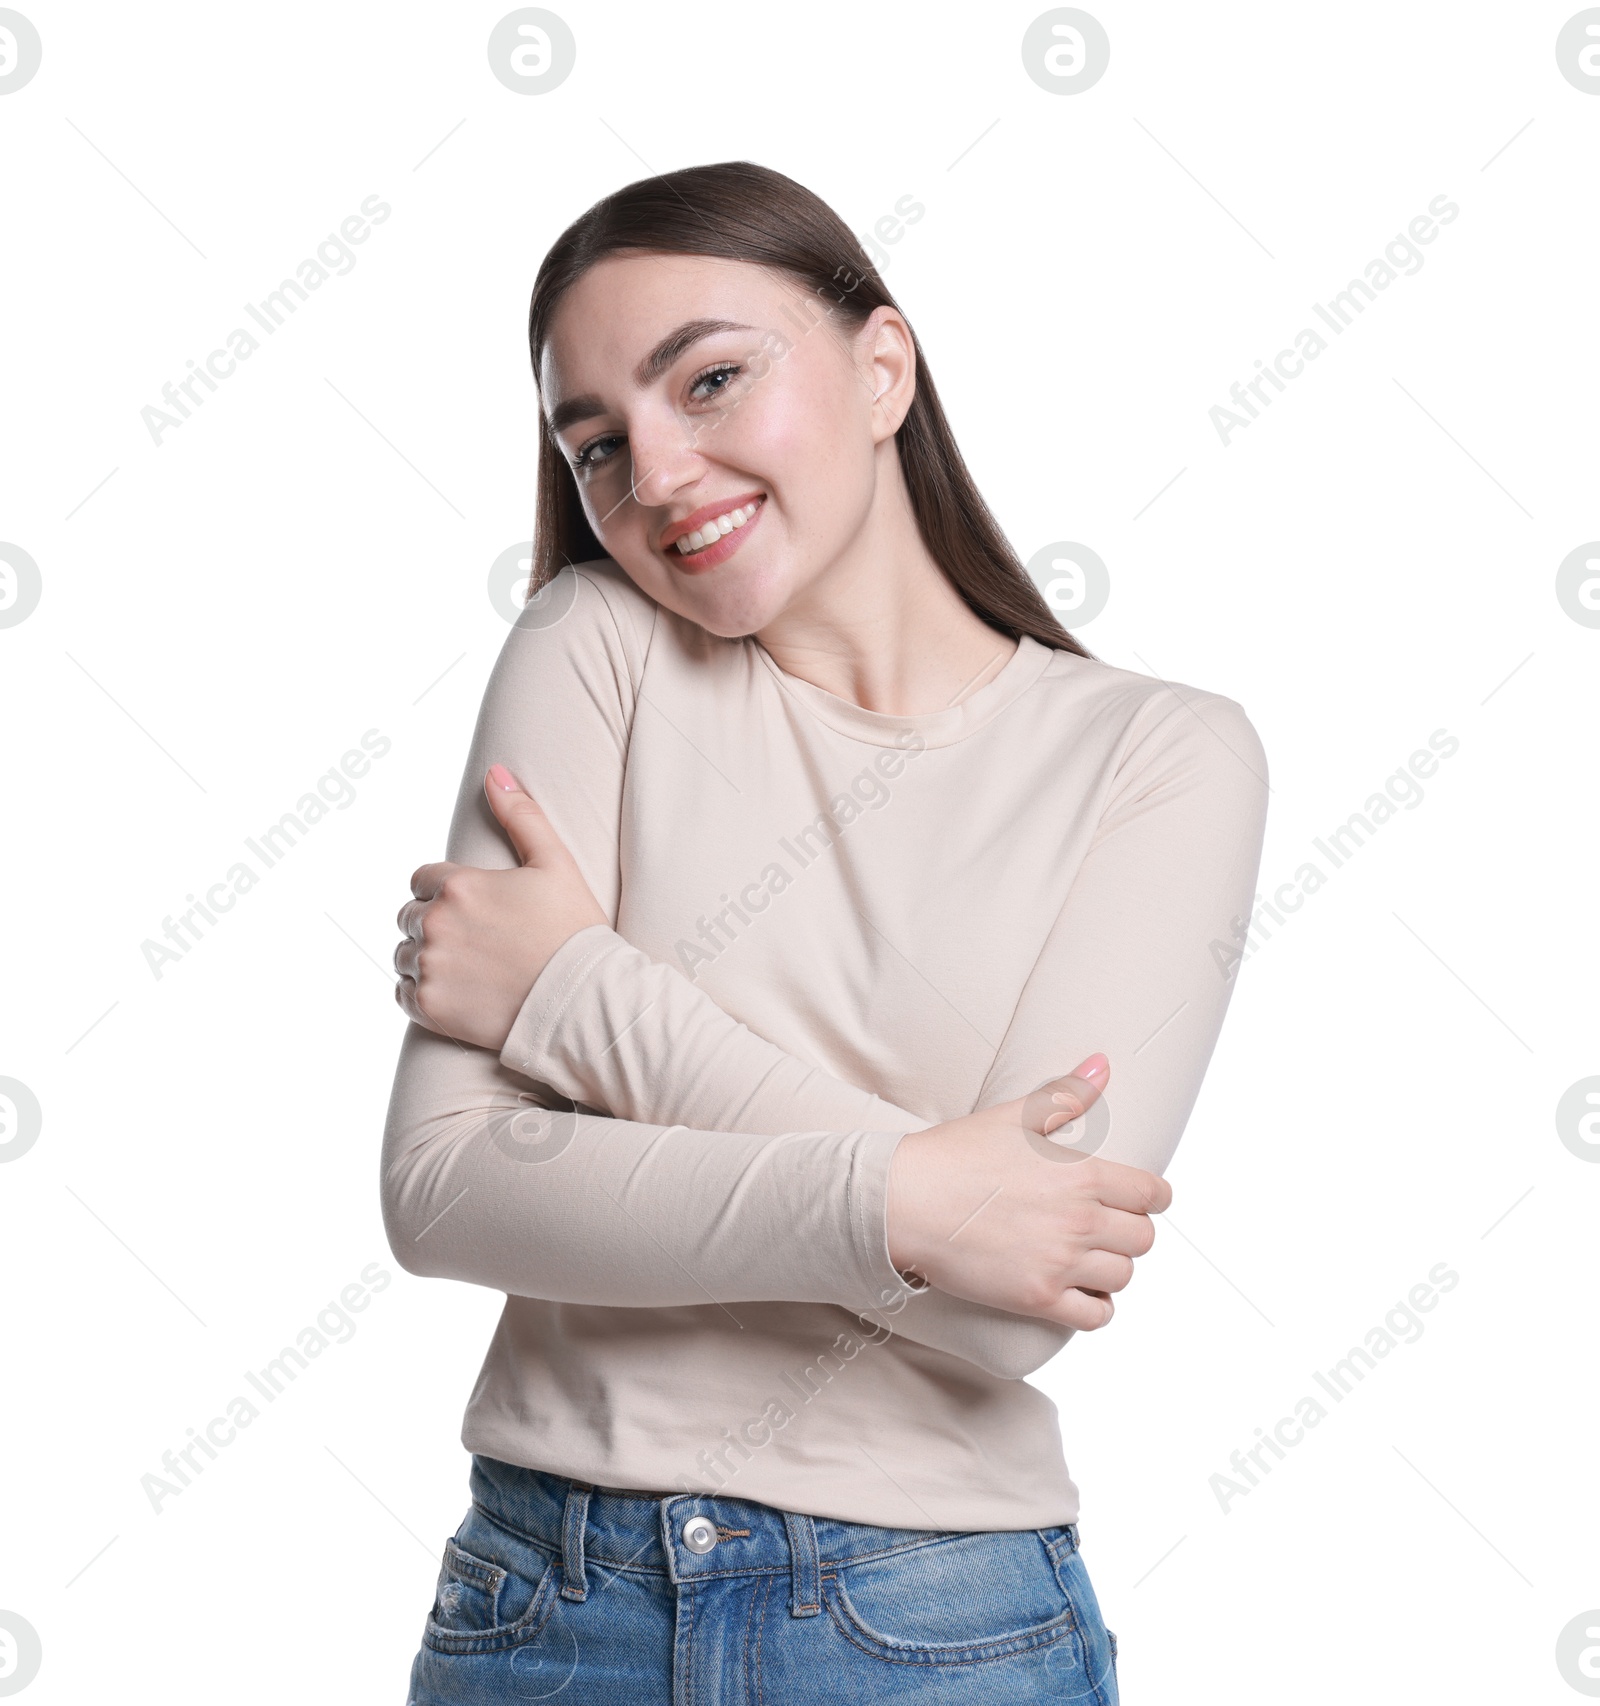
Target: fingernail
{"points": [[501, 777], [1095, 1070]]}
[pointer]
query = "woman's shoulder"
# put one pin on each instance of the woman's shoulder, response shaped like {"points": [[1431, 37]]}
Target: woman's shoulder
{"points": [[588, 616], [592, 592], [583, 637], [1142, 717]]}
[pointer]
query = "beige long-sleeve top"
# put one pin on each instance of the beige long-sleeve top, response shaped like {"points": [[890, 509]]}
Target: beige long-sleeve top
{"points": [[829, 926]]}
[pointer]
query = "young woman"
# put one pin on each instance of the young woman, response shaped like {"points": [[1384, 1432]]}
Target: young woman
{"points": [[799, 853]]}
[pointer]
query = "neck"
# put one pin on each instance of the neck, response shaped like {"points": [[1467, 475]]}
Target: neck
{"points": [[882, 625]]}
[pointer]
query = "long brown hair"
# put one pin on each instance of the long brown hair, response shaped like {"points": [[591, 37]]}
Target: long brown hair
{"points": [[739, 211]]}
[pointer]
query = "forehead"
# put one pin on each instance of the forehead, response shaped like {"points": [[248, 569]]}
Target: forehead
{"points": [[623, 306]]}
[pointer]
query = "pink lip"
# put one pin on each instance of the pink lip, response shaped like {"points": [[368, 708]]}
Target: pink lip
{"points": [[705, 513], [720, 549]]}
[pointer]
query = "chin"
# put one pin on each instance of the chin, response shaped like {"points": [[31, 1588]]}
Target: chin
{"points": [[739, 606]]}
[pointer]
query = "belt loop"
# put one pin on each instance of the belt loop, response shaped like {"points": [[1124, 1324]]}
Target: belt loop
{"points": [[805, 1599], [575, 1584]]}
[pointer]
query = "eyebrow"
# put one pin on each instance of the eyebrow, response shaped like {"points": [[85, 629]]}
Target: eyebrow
{"points": [[585, 407]]}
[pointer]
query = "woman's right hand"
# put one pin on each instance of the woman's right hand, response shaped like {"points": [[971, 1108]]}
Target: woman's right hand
{"points": [[981, 1208]]}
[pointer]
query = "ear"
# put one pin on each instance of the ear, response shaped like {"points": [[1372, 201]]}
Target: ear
{"points": [[888, 362]]}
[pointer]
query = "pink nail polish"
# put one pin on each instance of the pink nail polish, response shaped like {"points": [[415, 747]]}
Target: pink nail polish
{"points": [[501, 777], [1095, 1070]]}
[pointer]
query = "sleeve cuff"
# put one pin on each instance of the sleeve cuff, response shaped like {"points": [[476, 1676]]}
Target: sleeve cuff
{"points": [[553, 992], [869, 1215]]}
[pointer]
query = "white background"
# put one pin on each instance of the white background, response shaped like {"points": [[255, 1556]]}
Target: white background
{"points": [[224, 614]]}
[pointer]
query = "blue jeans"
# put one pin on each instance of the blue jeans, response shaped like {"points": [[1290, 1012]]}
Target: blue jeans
{"points": [[600, 1597]]}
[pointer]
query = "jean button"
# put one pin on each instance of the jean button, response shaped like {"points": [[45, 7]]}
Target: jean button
{"points": [[699, 1534]]}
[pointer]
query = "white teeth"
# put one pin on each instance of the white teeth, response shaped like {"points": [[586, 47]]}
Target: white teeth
{"points": [[724, 524]]}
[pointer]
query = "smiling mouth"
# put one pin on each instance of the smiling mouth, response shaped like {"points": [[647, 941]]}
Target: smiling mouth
{"points": [[702, 540]]}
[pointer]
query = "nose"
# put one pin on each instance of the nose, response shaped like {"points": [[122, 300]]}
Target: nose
{"points": [[666, 456]]}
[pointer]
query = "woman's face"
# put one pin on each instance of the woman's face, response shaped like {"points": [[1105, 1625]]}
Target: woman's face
{"points": [[685, 391]]}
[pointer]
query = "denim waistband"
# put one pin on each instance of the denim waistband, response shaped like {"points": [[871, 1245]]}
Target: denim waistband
{"points": [[684, 1536]]}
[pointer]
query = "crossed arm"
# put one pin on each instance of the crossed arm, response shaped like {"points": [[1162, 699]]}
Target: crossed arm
{"points": [[723, 1167]]}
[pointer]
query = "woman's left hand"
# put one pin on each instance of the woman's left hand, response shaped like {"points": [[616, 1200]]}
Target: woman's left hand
{"points": [[475, 941]]}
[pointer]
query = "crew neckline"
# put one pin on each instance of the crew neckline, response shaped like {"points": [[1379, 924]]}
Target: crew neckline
{"points": [[937, 728]]}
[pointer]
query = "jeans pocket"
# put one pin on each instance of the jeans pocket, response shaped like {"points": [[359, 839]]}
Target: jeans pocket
{"points": [[1088, 1676], [957, 1601], [494, 1591]]}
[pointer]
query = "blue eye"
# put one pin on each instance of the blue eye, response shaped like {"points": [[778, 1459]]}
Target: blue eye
{"points": [[723, 370], [586, 458]]}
